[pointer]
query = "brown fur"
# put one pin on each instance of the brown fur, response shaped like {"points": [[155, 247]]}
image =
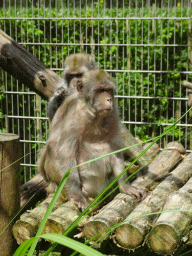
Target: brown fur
{"points": [[86, 126]]}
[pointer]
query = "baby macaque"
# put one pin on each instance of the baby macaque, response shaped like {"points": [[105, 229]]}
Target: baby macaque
{"points": [[86, 126], [74, 67]]}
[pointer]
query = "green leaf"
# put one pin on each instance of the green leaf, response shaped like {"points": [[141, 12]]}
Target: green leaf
{"points": [[71, 243], [21, 251]]}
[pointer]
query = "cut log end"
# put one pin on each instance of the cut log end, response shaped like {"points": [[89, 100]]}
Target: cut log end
{"points": [[23, 231], [128, 237], [52, 227], [93, 228], [163, 239]]}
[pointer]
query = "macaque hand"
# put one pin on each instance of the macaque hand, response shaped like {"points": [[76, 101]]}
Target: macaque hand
{"points": [[60, 91], [133, 191]]}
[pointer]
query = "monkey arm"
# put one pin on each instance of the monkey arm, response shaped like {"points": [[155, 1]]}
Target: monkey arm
{"points": [[56, 100], [118, 167], [74, 190], [55, 162]]}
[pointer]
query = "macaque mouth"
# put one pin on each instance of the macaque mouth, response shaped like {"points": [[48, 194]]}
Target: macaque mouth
{"points": [[105, 110]]}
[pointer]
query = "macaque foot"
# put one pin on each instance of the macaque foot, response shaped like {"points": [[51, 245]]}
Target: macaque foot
{"points": [[133, 191], [80, 202]]}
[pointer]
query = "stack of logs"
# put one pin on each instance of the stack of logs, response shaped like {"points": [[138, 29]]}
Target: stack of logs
{"points": [[169, 184]]}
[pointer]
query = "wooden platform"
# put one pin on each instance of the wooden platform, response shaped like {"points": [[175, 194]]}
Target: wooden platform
{"points": [[168, 182]]}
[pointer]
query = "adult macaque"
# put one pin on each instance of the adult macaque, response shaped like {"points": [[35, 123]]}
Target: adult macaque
{"points": [[74, 67], [86, 126]]}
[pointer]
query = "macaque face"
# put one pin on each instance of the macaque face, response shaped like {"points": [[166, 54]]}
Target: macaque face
{"points": [[104, 100], [76, 65]]}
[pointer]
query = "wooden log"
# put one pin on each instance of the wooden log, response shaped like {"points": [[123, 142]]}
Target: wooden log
{"points": [[35, 188], [119, 208], [153, 150], [172, 225], [109, 215], [131, 233], [163, 163], [23, 65], [10, 153], [62, 218], [29, 222], [129, 140]]}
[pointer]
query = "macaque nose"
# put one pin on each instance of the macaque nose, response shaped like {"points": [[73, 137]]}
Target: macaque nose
{"points": [[109, 103]]}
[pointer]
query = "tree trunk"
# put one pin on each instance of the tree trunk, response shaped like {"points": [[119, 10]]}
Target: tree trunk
{"points": [[10, 153]]}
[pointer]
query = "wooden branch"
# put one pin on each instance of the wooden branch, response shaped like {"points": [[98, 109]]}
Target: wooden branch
{"points": [[132, 232], [119, 208], [170, 226], [29, 222], [24, 66]]}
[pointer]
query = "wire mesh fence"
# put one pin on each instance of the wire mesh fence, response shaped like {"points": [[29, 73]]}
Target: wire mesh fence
{"points": [[145, 45]]}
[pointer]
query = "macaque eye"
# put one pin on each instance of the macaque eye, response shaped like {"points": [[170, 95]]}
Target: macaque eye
{"points": [[109, 91], [105, 90], [79, 74]]}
